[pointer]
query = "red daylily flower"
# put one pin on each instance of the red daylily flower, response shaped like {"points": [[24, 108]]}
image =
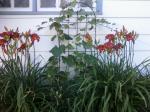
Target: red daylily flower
{"points": [[101, 48], [2, 42], [109, 45], [110, 37], [4, 50], [129, 37], [5, 34], [22, 47], [34, 37], [118, 46]]}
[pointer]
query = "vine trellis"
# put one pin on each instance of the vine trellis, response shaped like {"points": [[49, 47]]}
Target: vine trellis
{"points": [[72, 25]]}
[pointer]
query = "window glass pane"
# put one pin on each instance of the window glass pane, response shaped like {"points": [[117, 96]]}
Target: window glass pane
{"points": [[63, 3], [48, 3], [21, 3], [86, 3], [5, 3]]}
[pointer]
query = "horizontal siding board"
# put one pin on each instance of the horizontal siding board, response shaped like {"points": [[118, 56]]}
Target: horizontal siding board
{"points": [[141, 26], [126, 8], [141, 56]]}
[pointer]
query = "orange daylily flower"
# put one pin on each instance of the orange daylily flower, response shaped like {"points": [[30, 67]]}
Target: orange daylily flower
{"points": [[88, 38], [15, 35]]}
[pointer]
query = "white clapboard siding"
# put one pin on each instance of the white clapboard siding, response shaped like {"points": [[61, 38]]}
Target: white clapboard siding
{"points": [[134, 14], [126, 8]]}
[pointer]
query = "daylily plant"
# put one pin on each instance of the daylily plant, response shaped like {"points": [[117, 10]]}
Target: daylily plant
{"points": [[117, 41], [12, 42]]}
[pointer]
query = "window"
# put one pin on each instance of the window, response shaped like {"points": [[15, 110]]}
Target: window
{"points": [[85, 3], [43, 6], [15, 5], [5, 3], [48, 5]]}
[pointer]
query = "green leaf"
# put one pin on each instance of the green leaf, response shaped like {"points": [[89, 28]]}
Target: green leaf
{"points": [[69, 60], [87, 45], [44, 22], [60, 19], [66, 26], [93, 21], [69, 46], [67, 37], [106, 103], [141, 95], [78, 38], [57, 51], [52, 70], [53, 38], [82, 29], [55, 25], [69, 12], [73, 3], [50, 19], [103, 21], [53, 60], [40, 28], [6, 29], [82, 11], [126, 103], [81, 18], [91, 27]]}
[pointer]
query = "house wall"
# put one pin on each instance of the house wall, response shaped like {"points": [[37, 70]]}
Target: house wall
{"points": [[134, 14]]}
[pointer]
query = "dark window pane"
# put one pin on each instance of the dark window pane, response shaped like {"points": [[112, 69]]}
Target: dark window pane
{"points": [[5, 3], [86, 3], [48, 3], [21, 3], [63, 4]]}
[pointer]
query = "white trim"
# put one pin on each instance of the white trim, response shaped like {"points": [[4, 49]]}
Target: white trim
{"points": [[12, 8], [12, 3]]}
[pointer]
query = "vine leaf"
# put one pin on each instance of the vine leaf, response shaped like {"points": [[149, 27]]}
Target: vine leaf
{"points": [[55, 25], [69, 60], [44, 22], [53, 38], [67, 37], [57, 51], [40, 28]]}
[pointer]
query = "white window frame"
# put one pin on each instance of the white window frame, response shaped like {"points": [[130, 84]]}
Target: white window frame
{"points": [[12, 8], [35, 9]]}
